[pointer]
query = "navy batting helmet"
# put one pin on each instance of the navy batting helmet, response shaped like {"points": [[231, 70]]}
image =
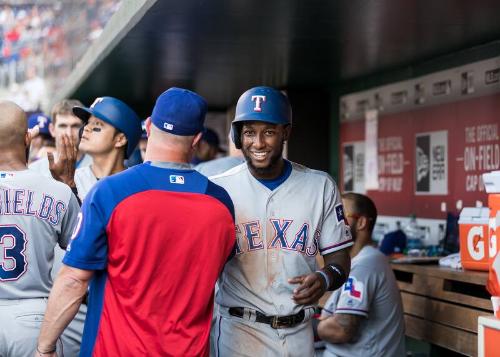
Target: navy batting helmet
{"points": [[116, 113], [260, 104]]}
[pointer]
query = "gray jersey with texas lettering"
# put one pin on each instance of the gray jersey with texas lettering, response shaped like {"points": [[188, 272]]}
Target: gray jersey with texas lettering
{"points": [[36, 213], [279, 233]]}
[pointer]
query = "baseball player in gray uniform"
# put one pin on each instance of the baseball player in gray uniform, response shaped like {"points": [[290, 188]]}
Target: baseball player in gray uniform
{"points": [[36, 213], [365, 316], [285, 215]]}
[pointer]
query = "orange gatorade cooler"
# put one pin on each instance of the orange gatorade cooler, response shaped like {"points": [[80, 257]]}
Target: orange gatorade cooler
{"points": [[488, 335], [492, 186], [494, 224], [474, 242]]}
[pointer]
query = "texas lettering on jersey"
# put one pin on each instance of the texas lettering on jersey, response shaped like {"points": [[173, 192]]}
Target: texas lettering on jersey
{"points": [[249, 237]]}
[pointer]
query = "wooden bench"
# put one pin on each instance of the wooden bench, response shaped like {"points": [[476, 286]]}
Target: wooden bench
{"points": [[442, 305]]}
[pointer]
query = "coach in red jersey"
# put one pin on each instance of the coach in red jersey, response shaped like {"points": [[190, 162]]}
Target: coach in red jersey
{"points": [[151, 241]]}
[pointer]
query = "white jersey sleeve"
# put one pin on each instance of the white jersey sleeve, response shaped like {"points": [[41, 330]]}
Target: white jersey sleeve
{"points": [[84, 180], [371, 292], [335, 234], [69, 222], [356, 294]]}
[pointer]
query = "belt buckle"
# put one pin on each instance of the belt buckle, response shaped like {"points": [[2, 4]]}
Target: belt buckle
{"points": [[282, 321], [275, 322]]}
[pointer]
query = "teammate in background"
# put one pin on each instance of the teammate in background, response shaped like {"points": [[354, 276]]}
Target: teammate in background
{"points": [[153, 282], [139, 153], [110, 134], [208, 148], [64, 129], [364, 317], [143, 143], [36, 213], [43, 142], [220, 165], [285, 215]]}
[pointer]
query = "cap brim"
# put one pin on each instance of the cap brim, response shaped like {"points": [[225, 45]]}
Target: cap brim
{"points": [[83, 113]]}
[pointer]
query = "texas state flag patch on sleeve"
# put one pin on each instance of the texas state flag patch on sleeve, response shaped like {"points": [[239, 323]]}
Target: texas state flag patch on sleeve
{"points": [[339, 212], [354, 288]]}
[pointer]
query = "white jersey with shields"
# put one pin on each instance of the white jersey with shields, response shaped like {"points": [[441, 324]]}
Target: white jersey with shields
{"points": [[371, 291], [36, 213], [278, 234], [84, 180]]}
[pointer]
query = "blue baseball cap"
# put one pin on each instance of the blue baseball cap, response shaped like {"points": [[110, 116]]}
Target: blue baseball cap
{"points": [[41, 120], [180, 112], [116, 113], [211, 138]]}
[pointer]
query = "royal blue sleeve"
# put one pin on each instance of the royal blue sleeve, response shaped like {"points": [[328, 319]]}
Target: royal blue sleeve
{"points": [[221, 195], [88, 248]]}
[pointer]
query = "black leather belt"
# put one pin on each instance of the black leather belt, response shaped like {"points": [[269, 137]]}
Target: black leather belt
{"points": [[274, 321]]}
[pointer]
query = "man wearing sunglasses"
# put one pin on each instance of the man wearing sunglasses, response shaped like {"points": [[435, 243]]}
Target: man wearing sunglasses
{"points": [[365, 316]]}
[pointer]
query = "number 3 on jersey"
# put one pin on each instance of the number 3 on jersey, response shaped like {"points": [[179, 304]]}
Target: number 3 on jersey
{"points": [[12, 246]]}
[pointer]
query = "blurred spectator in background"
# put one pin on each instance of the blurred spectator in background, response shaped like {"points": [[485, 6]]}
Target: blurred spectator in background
{"points": [[42, 143], [35, 89], [208, 147], [41, 42]]}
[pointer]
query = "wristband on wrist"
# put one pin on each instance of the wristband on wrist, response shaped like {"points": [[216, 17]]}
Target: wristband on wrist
{"points": [[46, 352], [325, 278], [339, 276]]}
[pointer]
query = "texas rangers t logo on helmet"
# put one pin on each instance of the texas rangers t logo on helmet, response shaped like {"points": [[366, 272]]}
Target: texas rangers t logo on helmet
{"points": [[258, 99], [96, 101], [41, 121]]}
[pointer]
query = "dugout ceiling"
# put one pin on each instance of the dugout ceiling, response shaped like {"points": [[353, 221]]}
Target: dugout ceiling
{"points": [[219, 48]]}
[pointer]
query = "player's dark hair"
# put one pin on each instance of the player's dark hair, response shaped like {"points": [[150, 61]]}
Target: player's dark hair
{"points": [[64, 107], [363, 206]]}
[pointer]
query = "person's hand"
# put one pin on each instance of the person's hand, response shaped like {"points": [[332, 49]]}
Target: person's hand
{"points": [[33, 133], [64, 169], [309, 291]]}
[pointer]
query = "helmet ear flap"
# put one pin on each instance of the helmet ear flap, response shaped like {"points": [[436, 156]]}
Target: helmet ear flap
{"points": [[236, 135]]}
